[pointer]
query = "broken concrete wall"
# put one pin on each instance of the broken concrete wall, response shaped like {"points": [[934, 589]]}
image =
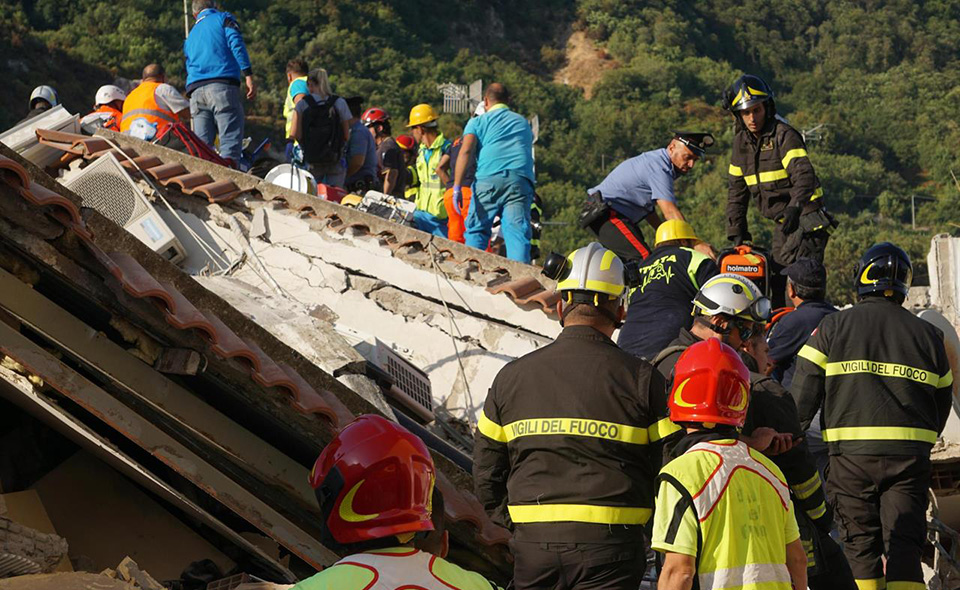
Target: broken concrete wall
{"points": [[442, 320], [944, 267]]}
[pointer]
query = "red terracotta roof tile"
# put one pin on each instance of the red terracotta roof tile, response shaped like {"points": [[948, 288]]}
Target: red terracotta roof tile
{"points": [[191, 180], [185, 316], [220, 191], [138, 282], [167, 171], [13, 173]]}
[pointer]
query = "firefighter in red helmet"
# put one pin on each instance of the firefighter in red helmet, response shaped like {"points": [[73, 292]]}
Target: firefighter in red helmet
{"points": [[723, 514], [374, 483]]}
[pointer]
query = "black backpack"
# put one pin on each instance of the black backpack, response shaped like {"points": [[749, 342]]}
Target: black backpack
{"points": [[322, 132]]}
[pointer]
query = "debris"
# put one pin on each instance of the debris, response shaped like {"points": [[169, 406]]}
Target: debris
{"points": [[129, 571], [24, 550]]}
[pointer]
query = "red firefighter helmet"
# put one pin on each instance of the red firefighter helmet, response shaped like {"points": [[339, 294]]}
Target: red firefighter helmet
{"points": [[406, 142], [374, 480], [374, 115], [710, 385]]}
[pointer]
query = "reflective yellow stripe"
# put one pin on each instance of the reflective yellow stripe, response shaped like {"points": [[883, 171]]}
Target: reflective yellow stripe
{"points": [[807, 488], [735, 170], [874, 584], [817, 512], [591, 285], [882, 370], [766, 177], [795, 153], [491, 429], [946, 380], [813, 355], [575, 427], [879, 433], [578, 513], [900, 585], [607, 261], [817, 194], [662, 429]]}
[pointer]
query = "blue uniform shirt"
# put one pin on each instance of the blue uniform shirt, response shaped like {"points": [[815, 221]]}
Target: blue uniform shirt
{"points": [[632, 187], [790, 333], [361, 142], [215, 50], [504, 143]]}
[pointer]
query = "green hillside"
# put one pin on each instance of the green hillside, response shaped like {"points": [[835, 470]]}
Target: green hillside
{"points": [[879, 78]]}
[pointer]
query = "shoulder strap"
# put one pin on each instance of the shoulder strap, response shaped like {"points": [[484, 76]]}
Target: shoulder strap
{"points": [[311, 102], [667, 352]]}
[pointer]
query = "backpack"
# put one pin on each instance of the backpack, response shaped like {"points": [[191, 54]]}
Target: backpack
{"points": [[322, 132]]}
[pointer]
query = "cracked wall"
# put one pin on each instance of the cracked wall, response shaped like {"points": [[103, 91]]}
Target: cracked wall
{"points": [[441, 320]]}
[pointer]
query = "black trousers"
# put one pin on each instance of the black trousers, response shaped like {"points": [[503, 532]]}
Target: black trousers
{"points": [[881, 503], [827, 567], [619, 234], [580, 566], [811, 245]]}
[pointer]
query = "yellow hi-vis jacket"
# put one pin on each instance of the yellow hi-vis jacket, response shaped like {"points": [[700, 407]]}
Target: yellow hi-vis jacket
{"points": [[729, 506], [430, 193], [389, 569]]}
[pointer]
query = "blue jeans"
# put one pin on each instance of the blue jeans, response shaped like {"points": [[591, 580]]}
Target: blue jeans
{"points": [[429, 223], [216, 109], [510, 196]]}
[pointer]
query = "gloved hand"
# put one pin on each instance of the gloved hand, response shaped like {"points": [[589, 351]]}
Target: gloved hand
{"points": [[457, 198], [791, 220], [288, 152], [740, 238]]}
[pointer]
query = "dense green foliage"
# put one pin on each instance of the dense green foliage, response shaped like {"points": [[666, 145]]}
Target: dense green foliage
{"points": [[881, 77]]}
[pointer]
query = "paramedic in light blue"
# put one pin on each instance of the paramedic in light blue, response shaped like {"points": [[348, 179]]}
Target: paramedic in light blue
{"points": [[217, 62], [503, 143]]}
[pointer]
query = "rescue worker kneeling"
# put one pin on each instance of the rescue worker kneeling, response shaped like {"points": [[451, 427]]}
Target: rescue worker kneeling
{"points": [[562, 457], [370, 457], [723, 515]]}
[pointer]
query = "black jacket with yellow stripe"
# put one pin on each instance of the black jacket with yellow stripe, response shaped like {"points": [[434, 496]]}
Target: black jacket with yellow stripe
{"points": [[567, 448], [774, 170], [881, 375]]}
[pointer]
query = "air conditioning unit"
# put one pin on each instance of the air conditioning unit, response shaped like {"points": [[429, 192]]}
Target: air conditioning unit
{"points": [[22, 138], [107, 188]]}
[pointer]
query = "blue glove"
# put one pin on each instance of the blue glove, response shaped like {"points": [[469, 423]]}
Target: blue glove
{"points": [[457, 198], [288, 152]]}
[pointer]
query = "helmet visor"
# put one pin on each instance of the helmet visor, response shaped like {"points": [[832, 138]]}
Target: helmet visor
{"points": [[890, 268]]}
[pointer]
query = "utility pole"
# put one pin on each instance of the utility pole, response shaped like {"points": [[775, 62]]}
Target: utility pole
{"points": [[186, 18], [913, 211]]}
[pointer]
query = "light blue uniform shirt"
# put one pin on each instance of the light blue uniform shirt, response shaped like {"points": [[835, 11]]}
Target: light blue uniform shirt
{"points": [[504, 143], [632, 187]]}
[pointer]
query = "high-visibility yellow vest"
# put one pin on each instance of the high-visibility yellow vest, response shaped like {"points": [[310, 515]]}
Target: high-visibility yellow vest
{"points": [[430, 193], [743, 507], [288, 106], [387, 569]]}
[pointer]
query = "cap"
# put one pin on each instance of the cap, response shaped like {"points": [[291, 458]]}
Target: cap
{"points": [[354, 102], [807, 272], [699, 143]]}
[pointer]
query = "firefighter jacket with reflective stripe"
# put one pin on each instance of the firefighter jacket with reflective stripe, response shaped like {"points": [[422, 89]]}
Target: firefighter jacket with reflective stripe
{"points": [[564, 451], [774, 170], [728, 506], [142, 104], [430, 192], [881, 375], [771, 405], [389, 569]]}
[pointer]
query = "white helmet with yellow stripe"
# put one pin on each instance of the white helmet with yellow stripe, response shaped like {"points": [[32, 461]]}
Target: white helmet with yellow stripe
{"points": [[733, 295], [591, 270]]}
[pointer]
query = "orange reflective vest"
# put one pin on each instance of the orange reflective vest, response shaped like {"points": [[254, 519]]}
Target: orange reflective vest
{"points": [[112, 122], [142, 104]]}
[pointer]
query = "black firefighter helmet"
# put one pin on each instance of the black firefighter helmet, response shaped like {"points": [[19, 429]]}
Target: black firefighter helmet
{"points": [[883, 267], [747, 91]]}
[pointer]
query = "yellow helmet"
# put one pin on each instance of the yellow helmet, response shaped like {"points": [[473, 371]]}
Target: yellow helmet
{"points": [[422, 114], [674, 229]]}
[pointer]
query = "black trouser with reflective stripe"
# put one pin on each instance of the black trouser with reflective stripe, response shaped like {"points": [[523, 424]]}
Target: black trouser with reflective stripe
{"points": [[827, 568], [880, 502], [619, 234], [580, 566]]}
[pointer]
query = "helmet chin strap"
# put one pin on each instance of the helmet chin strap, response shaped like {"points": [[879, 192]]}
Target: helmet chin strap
{"points": [[573, 301], [723, 332]]}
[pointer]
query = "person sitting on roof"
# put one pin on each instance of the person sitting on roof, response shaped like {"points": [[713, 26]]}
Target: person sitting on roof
{"points": [[42, 99], [376, 530], [153, 106], [107, 110]]}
